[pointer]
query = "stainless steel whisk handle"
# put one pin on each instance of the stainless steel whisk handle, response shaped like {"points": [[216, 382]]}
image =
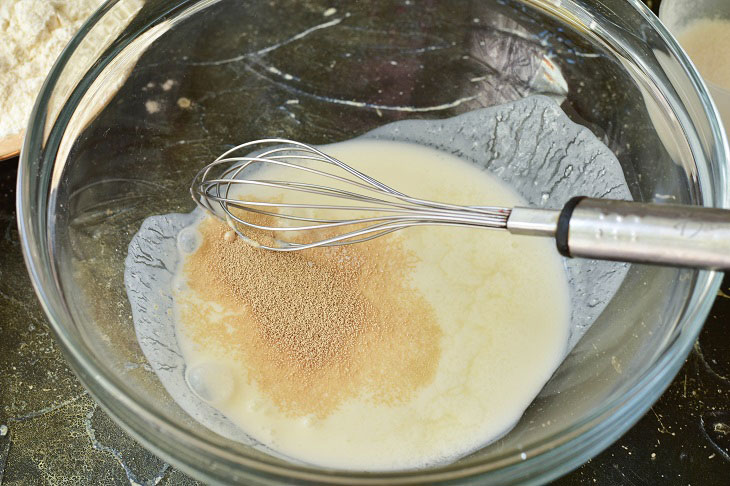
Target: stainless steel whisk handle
{"points": [[690, 236]]}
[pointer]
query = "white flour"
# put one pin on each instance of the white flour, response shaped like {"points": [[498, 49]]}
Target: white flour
{"points": [[33, 33]]}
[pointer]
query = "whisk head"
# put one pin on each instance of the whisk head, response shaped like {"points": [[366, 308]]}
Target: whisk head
{"points": [[337, 205]]}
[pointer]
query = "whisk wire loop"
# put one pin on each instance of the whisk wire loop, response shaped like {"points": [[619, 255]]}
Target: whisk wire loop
{"points": [[220, 188]]}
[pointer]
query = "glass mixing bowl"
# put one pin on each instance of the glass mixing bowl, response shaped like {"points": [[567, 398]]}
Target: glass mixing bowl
{"points": [[134, 107]]}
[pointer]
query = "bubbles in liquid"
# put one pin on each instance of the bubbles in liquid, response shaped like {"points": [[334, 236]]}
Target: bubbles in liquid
{"points": [[188, 240], [212, 382], [306, 421], [179, 284]]}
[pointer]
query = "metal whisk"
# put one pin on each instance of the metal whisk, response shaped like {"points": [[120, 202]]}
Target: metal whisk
{"points": [[676, 235]]}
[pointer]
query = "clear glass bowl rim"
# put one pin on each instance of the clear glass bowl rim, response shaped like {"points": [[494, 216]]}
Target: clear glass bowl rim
{"points": [[544, 460]]}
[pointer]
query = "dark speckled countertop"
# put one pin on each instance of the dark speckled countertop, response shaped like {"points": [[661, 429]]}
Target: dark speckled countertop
{"points": [[52, 431]]}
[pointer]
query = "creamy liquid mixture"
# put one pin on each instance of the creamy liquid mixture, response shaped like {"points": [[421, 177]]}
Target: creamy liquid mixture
{"points": [[407, 351]]}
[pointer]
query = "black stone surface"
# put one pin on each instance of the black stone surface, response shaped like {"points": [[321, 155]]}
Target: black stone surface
{"points": [[52, 431]]}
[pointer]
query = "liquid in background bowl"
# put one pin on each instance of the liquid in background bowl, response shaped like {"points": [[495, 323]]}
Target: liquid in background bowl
{"points": [[679, 16]]}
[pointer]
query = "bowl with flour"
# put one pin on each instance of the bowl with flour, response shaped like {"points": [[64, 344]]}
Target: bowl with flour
{"points": [[525, 102], [34, 33]]}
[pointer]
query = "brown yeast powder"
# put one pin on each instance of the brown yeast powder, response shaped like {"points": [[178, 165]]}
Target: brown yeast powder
{"points": [[316, 327]]}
